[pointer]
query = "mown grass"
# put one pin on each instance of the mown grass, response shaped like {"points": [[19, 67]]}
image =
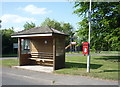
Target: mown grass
{"points": [[93, 52], [103, 67], [9, 55], [8, 62]]}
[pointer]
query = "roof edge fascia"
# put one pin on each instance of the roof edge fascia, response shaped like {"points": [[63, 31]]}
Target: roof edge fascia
{"points": [[32, 35]]}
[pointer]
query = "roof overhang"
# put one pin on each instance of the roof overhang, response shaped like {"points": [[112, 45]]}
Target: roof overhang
{"points": [[32, 35]]}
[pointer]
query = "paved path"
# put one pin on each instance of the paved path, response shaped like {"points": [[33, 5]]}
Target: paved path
{"points": [[12, 76]]}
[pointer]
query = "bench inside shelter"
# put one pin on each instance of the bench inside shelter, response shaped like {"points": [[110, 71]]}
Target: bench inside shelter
{"points": [[44, 58]]}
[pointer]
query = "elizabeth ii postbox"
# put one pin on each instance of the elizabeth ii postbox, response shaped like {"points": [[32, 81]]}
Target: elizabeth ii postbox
{"points": [[85, 48]]}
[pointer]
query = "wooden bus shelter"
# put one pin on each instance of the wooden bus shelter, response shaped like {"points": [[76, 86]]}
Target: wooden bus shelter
{"points": [[41, 46]]}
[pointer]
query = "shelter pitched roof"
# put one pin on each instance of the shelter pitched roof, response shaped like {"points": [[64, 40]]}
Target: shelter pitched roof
{"points": [[39, 30]]}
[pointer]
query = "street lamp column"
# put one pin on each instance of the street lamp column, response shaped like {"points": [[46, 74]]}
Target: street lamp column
{"points": [[88, 58]]}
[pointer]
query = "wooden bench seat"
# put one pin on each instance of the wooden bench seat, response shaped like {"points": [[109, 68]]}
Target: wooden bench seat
{"points": [[43, 57], [43, 60]]}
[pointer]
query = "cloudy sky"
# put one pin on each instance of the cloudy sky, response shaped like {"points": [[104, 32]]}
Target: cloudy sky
{"points": [[16, 14]]}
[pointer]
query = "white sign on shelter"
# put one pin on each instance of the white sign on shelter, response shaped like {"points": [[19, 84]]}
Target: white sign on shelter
{"points": [[15, 45]]}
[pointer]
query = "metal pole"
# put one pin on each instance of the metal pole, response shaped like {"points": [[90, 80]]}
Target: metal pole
{"points": [[88, 58]]}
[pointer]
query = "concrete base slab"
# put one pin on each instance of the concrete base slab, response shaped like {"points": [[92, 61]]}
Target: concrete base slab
{"points": [[36, 68]]}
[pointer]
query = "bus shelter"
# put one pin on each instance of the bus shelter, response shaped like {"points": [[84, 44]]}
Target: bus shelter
{"points": [[43, 46]]}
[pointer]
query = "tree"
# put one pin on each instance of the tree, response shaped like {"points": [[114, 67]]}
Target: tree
{"points": [[51, 23], [29, 25], [67, 28], [7, 41], [0, 23], [105, 24], [61, 26]]}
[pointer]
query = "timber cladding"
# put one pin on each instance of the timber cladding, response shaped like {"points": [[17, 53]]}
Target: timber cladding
{"points": [[59, 61], [24, 59], [41, 44]]}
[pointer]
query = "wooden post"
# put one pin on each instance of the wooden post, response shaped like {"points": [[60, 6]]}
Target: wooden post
{"points": [[19, 50], [54, 53], [64, 50]]}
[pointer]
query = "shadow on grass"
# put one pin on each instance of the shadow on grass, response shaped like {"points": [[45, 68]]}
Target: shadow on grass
{"points": [[110, 71], [81, 65], [110, 58]]}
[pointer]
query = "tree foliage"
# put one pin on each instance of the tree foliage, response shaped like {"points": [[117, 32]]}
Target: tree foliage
{"points": [[7, 41], [51, 23], [61, 26], [105, 17], [29, 25]]}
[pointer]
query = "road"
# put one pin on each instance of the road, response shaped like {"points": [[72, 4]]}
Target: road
{"points": [[1, 58], [66, 55], [13, 76]]}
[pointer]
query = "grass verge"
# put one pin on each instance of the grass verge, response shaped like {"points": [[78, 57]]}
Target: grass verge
{"points": [[8, 62], [92, 52], [103, 67], [9, 55]]}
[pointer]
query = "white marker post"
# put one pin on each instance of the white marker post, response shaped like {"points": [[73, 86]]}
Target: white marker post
{"points": [[88, 58]]}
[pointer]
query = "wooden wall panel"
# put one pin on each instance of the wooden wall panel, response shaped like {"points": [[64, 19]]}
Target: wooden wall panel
{"points": [[59, 61], [24, 59], [38, 45]]}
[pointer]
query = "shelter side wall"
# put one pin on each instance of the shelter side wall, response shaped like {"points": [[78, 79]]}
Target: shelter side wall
{"points": [[41, 44], [24, 59], [60, 52]]}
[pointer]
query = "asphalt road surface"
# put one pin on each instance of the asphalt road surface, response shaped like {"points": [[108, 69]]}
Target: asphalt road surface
{"points": [[1, 58], [13, 76]]}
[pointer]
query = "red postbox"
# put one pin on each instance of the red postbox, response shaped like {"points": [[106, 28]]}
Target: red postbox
{"points": [[85, 48]]}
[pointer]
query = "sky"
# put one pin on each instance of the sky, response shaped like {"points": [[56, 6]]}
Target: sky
{"points": [[16, 14]]}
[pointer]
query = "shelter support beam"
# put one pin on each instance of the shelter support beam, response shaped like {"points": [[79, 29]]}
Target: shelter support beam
{"points": [[19, 49], [54, 53]]}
